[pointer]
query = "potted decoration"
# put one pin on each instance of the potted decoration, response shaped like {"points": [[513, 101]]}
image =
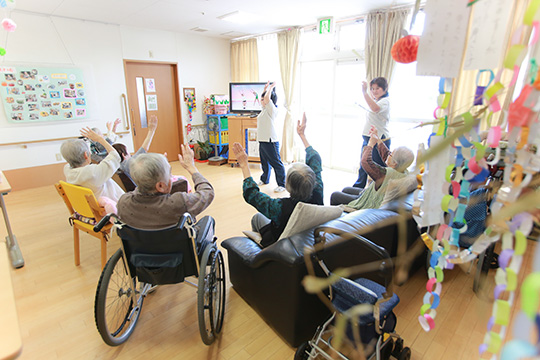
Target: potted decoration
{"points": [[202, 150]]}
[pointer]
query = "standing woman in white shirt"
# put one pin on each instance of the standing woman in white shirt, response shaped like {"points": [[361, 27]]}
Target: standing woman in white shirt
{"points": [[268, 138], [378, 116]]}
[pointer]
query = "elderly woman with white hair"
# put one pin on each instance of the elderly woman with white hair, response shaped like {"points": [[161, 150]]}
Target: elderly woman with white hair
{"points": [[80, 171], [397, 163], [151, 205], [303, 182]]}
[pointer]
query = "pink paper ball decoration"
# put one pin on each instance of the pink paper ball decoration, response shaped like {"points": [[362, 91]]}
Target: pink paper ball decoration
{"points": [[405, 49], [9, 25]]}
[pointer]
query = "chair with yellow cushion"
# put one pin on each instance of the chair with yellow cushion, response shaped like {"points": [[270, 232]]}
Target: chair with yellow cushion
{"points": [[84, 214]]}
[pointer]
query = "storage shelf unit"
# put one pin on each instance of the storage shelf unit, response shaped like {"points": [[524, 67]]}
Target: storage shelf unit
{"points": [[218, 132]]}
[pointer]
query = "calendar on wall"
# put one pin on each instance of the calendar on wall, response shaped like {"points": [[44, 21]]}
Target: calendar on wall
{"points": [[32, 94]]}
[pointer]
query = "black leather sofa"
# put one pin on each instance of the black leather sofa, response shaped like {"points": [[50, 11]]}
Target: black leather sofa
{"points": [[269, 279]]}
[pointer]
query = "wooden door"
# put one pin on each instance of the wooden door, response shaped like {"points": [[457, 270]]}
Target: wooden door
{"points": [[146, 83]]}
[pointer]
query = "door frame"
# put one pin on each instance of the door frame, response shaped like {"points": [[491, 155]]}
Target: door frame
{"points": [[177, 88]]}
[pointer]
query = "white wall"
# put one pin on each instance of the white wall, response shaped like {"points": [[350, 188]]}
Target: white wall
{"points": [[99, 49]]}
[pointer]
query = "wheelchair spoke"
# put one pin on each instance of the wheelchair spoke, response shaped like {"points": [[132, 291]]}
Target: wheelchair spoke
{"points": [[117, 305]]}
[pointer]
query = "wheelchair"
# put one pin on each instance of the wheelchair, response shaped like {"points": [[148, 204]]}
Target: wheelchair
{"points": [[149, 258], [369, 335]]}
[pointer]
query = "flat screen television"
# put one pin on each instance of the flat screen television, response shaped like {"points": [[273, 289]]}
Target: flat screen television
{"points": [[245, 98]]}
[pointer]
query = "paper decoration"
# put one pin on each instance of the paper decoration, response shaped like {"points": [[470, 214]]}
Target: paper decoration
{"points": [[150, 85], [151, 102], [443, 37], [488, 27], [32, 94], [252, 143], [405, 49]]}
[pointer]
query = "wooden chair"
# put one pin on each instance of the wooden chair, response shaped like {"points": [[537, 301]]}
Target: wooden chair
{"points": [[84, 211]]}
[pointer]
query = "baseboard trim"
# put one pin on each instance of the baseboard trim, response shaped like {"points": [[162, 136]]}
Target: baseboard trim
{"points": [[33, 177]]}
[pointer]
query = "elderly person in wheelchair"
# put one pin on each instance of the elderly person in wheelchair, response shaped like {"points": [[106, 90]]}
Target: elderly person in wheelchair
{"points": [[151, 205], [160, 245]]}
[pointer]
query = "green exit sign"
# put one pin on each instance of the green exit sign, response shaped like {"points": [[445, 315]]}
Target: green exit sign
{"points": [[325, 26]]}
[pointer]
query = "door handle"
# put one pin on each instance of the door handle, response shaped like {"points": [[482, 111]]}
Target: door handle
{"points": [[126, 126], [132, 123]]}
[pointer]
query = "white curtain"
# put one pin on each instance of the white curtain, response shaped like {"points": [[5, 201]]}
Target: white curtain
{"points": [[288, 59], [244, 61], [383, 29]]}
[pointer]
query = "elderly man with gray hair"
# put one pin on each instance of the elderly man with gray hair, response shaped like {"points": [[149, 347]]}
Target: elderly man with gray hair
{"points": [[151, 205], [80, 171]]}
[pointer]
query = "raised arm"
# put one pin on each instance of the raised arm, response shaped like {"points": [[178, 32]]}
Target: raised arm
{"points": [[152, 126], [373, 169], [241, 158], [90, 134], [269, 207], [267, 92], [301, 129], [313, 160], [369, 100], [187, 159]]}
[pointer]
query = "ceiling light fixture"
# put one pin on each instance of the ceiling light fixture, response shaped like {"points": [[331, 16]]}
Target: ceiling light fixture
{"points": [[237, 17]]}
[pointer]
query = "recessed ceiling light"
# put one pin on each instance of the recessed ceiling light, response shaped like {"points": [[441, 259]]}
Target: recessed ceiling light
{"points": [[238, 17], [198, 29]]}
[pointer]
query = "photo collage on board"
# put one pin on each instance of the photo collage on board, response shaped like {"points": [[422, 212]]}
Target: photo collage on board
{"points": [[43, 94]]}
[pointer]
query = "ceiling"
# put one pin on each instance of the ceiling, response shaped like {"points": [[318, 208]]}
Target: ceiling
{"points": [[184, 16]]}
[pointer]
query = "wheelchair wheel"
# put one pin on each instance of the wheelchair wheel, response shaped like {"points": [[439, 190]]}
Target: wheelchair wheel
{"points": [[116, 310], [405, 354], [211, 294], [482, 268], [303, 352]]}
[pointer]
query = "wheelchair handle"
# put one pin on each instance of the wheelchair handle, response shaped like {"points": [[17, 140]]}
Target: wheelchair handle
{"points": [[186, 217], [103, 222]]}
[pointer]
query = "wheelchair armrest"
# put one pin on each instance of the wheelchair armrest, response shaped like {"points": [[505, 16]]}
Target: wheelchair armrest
{"points": [[104, 221]]}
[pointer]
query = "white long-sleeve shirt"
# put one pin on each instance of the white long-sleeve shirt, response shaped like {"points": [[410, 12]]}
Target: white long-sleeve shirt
{"points": [[97, 177]]}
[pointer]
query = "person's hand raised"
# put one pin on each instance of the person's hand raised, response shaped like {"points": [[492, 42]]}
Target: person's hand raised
{"points": [[187, 158], [364, 86], [153, 122], [301, 127], [240, 154], [374, 132], [91, 134]]}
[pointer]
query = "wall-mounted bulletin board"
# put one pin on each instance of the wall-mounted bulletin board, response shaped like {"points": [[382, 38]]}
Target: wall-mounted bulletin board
{"points": [[32, 94]]}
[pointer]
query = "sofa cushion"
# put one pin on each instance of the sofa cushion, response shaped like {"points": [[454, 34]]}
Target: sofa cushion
{"points": [[398, 188], [307, 216]]}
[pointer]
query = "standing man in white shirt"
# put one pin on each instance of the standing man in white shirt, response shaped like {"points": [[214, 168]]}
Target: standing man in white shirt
{"points": [[268, 138]]}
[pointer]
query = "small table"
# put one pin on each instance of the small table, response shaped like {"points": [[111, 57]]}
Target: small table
{"points": [[11, 242]]}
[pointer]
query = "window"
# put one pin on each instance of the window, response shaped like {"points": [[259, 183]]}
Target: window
{"points": [[413, 99], [330, 81]]}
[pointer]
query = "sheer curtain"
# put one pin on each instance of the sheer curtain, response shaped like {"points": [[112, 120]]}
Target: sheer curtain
{"points": [[383, 30], [288, 59], [244, 61]]}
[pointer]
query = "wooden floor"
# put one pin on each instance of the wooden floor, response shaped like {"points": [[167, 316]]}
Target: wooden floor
{"points": [[55, 298]]}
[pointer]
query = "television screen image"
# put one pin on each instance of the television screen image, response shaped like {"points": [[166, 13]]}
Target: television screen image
{"points": [[245, 97]]}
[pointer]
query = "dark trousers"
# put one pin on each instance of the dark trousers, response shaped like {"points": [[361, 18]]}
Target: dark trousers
{"points": [[269, 154], [362, 175]]}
